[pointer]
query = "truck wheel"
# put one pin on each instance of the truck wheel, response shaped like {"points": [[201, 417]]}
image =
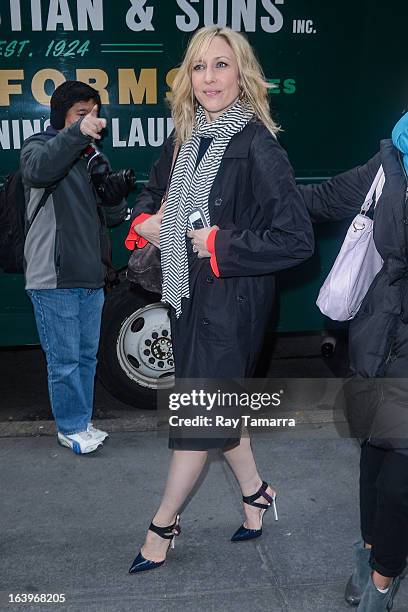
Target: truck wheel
{"points": [[135, 351]]}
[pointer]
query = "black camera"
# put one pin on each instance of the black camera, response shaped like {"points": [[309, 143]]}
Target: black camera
{"points": [[110, 186]]}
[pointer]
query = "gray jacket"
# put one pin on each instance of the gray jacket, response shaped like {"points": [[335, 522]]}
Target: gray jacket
{"points": [[68, 240]]}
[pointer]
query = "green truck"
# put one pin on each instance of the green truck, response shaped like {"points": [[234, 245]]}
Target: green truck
{"points": [[338, 82]]}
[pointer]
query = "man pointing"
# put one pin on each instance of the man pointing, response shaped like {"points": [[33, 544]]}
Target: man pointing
{"points": [[65, 256]]}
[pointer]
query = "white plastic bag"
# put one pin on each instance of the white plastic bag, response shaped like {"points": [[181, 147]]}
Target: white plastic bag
{"points": [[356, 265]]}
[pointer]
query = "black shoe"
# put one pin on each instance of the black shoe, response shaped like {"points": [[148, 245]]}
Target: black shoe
{"points": [[243, 533], [140, 564]]}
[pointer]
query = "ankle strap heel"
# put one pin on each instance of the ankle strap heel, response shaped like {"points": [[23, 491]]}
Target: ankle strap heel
{"points": [[271, 499], [140, 564], [169, 532], [243, 533]]}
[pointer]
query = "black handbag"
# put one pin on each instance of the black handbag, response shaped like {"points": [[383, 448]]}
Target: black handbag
{"points": [[144, 266]]}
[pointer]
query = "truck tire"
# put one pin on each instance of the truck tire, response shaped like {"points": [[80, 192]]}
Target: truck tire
{"points": [[135, 352]]}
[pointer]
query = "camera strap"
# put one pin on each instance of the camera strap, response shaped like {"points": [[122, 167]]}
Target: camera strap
{"points": [[106, 250]]}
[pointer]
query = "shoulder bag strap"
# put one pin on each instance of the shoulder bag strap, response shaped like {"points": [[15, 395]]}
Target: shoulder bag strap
{"points": [[47, 192], [173, 163], [376, 188]]}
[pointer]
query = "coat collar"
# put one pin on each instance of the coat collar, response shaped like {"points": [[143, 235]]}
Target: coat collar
{"points": [[50, 131], [240, 143], [391, 159]]}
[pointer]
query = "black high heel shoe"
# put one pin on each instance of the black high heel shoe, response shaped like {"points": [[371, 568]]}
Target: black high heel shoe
{"points": [[140, 564], [243, 533]]}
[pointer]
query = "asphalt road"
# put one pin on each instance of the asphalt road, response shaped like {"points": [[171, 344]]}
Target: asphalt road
{"points": [[72, 524]]}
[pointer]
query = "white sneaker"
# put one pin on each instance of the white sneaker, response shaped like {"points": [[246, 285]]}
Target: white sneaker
{"points": [[98, 434], [81, 443]]}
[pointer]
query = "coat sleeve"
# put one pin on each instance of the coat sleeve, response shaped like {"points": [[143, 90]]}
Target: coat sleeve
{"points": [[116, 214], [151, 195], [343, 195], [44, 162], [287, 239]]}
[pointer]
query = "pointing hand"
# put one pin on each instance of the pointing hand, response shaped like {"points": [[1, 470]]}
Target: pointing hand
{"points": [[92, 125]]}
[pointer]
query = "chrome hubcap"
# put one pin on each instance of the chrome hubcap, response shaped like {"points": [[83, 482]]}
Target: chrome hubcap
{"points": [[144, 347]]}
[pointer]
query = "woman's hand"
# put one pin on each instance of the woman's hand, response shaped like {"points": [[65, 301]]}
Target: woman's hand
{"points": [[199, 240], [150, 228]]}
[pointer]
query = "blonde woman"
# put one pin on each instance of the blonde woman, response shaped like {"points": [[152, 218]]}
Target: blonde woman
{"points": [[219, 280]]}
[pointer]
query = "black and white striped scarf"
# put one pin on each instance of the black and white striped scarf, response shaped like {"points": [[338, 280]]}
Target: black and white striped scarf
{"points": [[190, 188]]}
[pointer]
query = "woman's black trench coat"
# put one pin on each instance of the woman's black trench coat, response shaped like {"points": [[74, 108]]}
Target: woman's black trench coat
{"points": [[264, 228], [378, 335]]}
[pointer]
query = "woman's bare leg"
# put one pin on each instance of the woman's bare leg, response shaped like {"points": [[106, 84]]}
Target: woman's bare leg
{"points": [[241, 461], [185, 468]]}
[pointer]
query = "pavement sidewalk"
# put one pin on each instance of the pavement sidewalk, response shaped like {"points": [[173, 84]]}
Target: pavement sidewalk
{"points": [[73, 524]]}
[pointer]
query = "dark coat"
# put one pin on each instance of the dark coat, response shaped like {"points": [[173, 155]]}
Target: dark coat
{"points": [[264, 228], [378, 335]]}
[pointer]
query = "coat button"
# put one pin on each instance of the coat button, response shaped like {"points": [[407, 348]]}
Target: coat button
{"points": [[405, 221], [240, 298], [209, 279], [218, 201], [206, 322]]}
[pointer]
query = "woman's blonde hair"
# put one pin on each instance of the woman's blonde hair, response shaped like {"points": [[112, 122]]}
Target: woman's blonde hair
{"points": [[252, 84]]}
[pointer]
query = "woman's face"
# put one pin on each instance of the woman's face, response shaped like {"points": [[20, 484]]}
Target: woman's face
{"points": [[215, 79]]}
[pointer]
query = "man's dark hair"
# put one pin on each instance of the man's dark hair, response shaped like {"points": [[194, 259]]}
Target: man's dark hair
{"points": [[65, 96]]}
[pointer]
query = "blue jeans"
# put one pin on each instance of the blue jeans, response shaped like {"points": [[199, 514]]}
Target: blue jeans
{"points": [[68, 323]]}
